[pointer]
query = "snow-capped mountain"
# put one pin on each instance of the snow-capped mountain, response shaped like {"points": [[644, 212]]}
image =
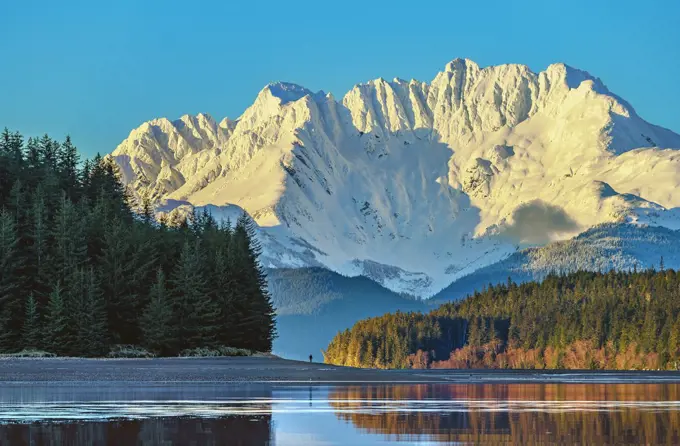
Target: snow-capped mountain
{"points": [[416, 184]]}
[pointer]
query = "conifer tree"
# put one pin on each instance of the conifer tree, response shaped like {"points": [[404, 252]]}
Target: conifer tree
{"points": [[674, 340], [10, 281], [225, 297], [38, 251], [120, 292], [32, 156], [156, 321], [93, 337], [31, 329], [194, 312], [56, 322], [70, 244], [147, 211], [260, 333], [67, 164]]}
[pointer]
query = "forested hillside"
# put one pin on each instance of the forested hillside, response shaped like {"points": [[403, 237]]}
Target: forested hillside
{"points": [[583, 320], [81, 271]]}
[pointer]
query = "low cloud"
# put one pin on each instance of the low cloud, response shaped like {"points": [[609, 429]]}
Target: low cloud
{"points": [[537, 223]]}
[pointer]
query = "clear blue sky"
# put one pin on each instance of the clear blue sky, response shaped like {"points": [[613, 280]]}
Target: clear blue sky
{"points": [[96, 70]]}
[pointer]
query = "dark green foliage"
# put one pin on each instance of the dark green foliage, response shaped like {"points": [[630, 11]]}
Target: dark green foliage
{"points": [[10, 281], [89, 316], [621, 315], [80, 270], [157, 324], [257, 313], [56, 334], [195, 313], [31, 329]]}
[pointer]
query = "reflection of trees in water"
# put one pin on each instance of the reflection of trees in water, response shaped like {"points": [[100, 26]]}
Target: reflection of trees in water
{"points": [[233, 430], [580, 424]]}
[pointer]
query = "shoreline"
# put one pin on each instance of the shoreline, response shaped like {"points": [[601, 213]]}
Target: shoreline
{"points": [[274, 370]]}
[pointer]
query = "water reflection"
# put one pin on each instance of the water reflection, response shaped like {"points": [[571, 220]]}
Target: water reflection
{"points": [[234, 430], [517, 413], [263, 414]]}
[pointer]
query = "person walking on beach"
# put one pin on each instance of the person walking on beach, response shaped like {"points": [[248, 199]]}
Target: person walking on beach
{"points": [[310, 358]]}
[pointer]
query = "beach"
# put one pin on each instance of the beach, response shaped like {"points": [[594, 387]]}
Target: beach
{"points": [[273, 369]]}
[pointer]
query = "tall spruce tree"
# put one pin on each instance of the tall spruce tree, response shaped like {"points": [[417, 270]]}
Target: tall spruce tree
{"points": [[38, 235], [118, 269], [93, 334], [156, 321], [31, 338], [195, 313], [67, 165], [69, 243], [10, 283], [261, 330], [56, 322]]}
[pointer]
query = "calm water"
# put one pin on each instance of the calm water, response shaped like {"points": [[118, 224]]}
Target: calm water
{"points": [[259, 414]]}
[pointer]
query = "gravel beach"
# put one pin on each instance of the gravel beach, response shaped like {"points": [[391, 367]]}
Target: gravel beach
{"points": [[272, 369]]}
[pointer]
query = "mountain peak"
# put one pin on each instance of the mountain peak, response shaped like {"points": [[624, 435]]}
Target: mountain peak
{"points": [[460, 64], [286, 91], [573, 77]]}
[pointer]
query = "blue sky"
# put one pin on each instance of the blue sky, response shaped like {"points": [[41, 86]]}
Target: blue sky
{"points": [[96, 70]]}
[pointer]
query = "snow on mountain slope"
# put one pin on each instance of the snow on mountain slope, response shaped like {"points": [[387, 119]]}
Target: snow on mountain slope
{"points": [[416, 184]]}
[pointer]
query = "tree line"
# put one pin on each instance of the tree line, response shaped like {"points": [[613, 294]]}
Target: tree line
{"points": [[83, 267], [581, 320]]}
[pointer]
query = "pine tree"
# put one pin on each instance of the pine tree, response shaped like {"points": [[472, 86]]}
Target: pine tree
{"points": [[67, 164], [120, 290], [195, 313], [70, 245], [16, 206], [156, 321], [39, 249], [32, 155], [225, 298], [11, 160], [93, 335], [56, 332], [674, 341], [147, 214], [31, 329], [48, 150], [259, 326], [10, 280]]}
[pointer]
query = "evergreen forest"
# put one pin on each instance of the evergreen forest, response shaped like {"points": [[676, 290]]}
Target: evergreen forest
{"points": [[583, 320], [84, 267]]}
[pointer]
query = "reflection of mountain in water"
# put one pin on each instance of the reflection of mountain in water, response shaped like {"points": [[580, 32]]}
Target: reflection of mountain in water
{"points": [[518, 413], [233, 430]]}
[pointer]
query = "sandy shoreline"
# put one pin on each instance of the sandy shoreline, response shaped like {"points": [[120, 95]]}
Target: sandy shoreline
{"points": [[264, 369]]}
